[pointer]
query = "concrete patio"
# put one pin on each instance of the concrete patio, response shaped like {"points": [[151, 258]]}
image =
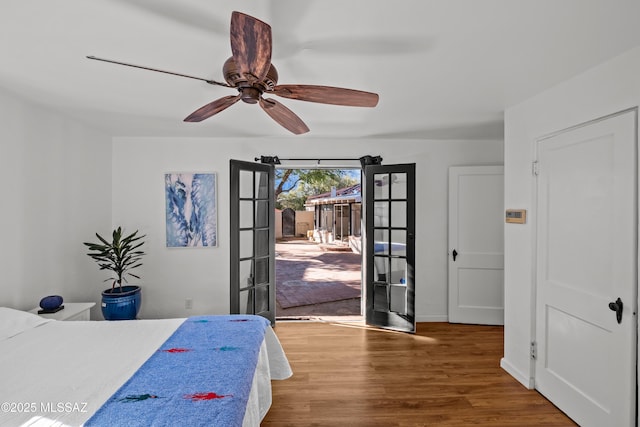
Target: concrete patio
{"points": [[304, 262]]}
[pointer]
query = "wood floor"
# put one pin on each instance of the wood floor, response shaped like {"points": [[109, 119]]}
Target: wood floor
{"points": [[444, 375]]}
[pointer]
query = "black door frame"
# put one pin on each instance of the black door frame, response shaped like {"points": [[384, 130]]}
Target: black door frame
{"points": [[380, 289], [260, 284]]}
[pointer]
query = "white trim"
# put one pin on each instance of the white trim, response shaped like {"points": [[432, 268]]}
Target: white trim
{"points": [[504, 364], [534, 230], [522, 378], [637, 234], [533, 292], [432, 318], [587, 123]]}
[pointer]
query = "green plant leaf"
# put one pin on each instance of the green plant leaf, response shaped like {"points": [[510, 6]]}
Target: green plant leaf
{"points": [[119, 256]]}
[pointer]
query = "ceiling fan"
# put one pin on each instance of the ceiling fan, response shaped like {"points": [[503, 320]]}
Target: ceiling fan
{"points": [[250, 71]]}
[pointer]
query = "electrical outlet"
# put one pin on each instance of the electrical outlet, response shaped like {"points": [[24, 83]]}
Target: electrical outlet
{"points": [[188, 303]]}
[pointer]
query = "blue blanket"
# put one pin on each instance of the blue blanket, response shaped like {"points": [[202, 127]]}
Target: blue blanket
{"points": [[201, 376]]}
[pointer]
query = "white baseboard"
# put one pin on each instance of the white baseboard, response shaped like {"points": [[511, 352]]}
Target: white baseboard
{"points": [[432, 318], [522, 378]]}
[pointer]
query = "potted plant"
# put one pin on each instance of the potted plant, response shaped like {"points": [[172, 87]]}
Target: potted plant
{"points": [[120, 255]]}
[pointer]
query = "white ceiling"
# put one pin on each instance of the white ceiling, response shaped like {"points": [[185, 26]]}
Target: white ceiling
{"points": [[444, 69]]}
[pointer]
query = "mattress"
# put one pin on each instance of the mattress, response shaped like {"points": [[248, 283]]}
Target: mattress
{"points": [[56, 373]]}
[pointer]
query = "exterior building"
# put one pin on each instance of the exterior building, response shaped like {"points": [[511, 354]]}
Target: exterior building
{"points": [[338, 214]]}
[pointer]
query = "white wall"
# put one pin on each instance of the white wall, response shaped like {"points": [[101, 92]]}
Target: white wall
{"points": [[304, 222], [169, 276], [606, 89], [56, 192]]}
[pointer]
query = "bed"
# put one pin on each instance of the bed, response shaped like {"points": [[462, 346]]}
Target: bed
{"points": [[203, 370]]}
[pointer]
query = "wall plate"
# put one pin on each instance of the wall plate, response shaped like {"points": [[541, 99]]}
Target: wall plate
{"points": [[516, 216]]}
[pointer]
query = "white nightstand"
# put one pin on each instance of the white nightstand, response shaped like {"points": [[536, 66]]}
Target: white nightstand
{"points": [[71, 311]]}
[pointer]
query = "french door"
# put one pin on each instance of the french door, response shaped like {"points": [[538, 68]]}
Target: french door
{"points": [[388, 264], [252, 225], [342, 215], [389, 243]]}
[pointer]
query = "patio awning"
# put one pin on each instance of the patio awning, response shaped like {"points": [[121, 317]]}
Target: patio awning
{"points": [[344, 195]]}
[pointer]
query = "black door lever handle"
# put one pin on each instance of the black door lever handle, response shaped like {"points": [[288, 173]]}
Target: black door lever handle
{"points": [[455, 254], [617, 307]]}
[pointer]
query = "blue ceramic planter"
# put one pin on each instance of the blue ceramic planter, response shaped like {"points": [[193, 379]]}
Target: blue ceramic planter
{"points": [[123, 305]]}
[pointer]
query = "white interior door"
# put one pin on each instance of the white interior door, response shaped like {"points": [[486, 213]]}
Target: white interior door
{"points": [[476, 245], [586, 260]]}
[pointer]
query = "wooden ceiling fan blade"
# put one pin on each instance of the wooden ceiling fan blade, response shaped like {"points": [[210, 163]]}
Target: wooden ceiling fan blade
{"points": [[212, 108], [285, 117], [328, 95], [251, 46]]}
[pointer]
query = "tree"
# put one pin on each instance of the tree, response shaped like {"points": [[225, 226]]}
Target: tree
{"points": [[293, 199], [293, 186], [288, 179]]}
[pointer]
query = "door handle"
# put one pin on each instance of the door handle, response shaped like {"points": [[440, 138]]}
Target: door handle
{"points": [[617, 307], [455, 254]]}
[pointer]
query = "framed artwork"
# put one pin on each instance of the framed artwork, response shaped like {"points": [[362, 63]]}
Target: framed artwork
{"points": [[191, 209]]}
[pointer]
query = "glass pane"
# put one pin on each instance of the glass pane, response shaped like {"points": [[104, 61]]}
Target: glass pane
{"points": [[246, 275], [262, 299], [342, 214], [246, 302], [380, 298], [398, 185], [381, 242], [356, 220], [381, 186], [262, 243], [327, 218], [262, 185], [398, 299], [380, 269], [246, 243], [398, 271], [262, 271], [262, 213], [381, 214], [246, 214], [398, 214], [246, 184], [398, 242]]}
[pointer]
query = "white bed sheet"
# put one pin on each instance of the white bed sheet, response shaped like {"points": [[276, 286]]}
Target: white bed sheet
{"points": [[60, 373]]}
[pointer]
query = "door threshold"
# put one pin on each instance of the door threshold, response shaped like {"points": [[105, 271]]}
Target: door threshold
{"points": [[320, 318]]}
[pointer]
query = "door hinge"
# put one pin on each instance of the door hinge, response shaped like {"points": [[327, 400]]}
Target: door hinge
{"points": [[534, 168], [534, 350]]}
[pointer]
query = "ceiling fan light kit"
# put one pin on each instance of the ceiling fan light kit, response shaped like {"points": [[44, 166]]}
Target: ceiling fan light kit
{"points": [[249, 70]]}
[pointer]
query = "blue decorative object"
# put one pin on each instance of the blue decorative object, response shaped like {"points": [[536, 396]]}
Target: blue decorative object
{"points": [[123, 305], [51, 303]]}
